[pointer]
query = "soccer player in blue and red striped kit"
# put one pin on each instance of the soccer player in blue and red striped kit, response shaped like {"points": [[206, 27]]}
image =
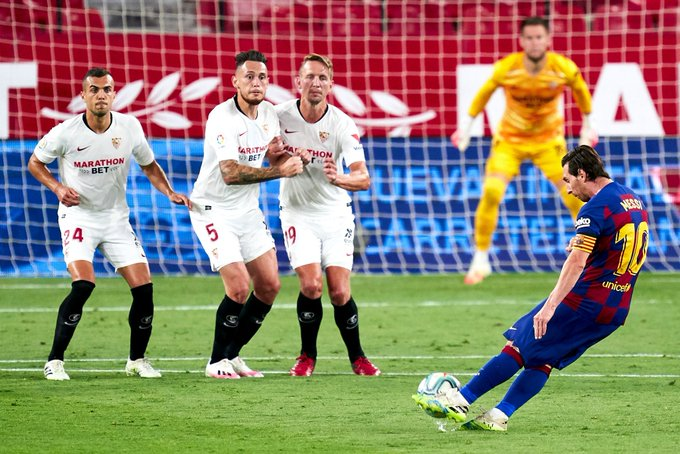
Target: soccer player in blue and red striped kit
{"points": [[589, 302]]}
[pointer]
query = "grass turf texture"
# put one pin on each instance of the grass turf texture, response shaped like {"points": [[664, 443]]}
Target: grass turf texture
{"points": [[612, 400]]}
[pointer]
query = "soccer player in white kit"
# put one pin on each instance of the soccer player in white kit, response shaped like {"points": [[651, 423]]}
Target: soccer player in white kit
{"points": [[226, 215], [93, 151], [316, 211]]}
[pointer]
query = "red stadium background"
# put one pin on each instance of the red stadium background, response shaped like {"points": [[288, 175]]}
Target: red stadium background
{"points": [[374, 48]]}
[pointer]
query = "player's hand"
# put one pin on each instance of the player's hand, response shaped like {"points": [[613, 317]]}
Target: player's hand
{"points": [[588, 135], [460, 139], [67, 196], [574, 241], [179, 199], [541, 320], [330, 169], [291, 167], [304, 154], [275, 146]]}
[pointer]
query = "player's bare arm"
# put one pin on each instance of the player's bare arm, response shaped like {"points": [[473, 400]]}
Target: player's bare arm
{"points": [[571, 270], [67, 196], [357, 179], [159, 180], [235, 173]]}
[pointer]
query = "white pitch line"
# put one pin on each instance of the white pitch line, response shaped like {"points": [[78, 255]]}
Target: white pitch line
{"points": [[317, 373], [337, 358], [291, 306], [33, 286]]}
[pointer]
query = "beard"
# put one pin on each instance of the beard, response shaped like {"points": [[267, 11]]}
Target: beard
{"points": [[536, 60], [253, 102]]}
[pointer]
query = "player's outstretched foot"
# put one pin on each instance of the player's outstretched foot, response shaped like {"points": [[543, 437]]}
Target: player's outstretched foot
{"points": [[494, 420], [450, 405], [480, 268], [141, 367], [303, 367], [242, 369], [54, 370], [362, 366], [221, 369]]}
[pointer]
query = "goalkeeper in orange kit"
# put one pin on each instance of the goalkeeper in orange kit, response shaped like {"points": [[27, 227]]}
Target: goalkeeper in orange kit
{"points": [[532, 127]]}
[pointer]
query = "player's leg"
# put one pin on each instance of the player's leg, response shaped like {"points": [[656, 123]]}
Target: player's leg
{"points": [[501, 167], [309, 314], [222, 246], [337, 259], [548, 158], [303, 246], [259, 256], [80, 237], [527, 384], [455, 403], [68, 317], [125, 252], [266, 285], [346, 316]]}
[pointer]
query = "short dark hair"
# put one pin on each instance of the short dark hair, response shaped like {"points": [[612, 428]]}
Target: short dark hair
{"points": [[534, 20], [586, 158], [250, 55], [96, 72]]}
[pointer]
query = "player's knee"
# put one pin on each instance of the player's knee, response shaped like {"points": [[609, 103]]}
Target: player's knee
{"points": [[339, 295], [141, 311], [493, 190], [71, 308], [267, 290], [311, 288], [81, 291], [545, 368]]}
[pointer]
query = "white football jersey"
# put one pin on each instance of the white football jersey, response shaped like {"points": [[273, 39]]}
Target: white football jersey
{"points": [[95, 165], [231, 135], [334, 135]]}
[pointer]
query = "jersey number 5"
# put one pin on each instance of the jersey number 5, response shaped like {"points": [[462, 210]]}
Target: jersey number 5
{"points": [[210, 228], [634, 249]]}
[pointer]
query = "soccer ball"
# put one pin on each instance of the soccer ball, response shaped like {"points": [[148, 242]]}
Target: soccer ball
{"points": [[437, 383]]}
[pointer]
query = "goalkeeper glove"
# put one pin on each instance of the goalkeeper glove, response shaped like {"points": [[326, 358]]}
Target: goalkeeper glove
{"points": [[588, 135], [461, 137]]}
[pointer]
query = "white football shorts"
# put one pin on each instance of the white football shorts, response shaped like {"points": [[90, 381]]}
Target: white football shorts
{"points": [[112, 234], [327, 240], [228, 237]]}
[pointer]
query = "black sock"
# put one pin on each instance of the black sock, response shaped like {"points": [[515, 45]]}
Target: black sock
{"points": [[249, 321], [140, 318], [226, 322], [310, 313], [70, 311], [347, 319]]}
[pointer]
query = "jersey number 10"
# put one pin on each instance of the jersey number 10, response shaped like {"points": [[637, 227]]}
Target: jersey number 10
{"points": [[634, 249]]}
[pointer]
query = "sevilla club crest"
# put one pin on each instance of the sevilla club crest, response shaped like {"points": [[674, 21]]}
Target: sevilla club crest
{"points": [[115, 141], [323, 136]]}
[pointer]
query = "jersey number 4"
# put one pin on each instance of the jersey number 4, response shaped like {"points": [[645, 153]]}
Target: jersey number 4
{"points": [[634, 251]]}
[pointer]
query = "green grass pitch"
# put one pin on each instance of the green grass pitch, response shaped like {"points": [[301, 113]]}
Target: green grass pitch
{"points": [[622, 396]]}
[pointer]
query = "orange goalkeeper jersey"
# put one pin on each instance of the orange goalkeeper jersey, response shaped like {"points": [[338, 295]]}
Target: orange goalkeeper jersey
{"points": [[532, 111]]}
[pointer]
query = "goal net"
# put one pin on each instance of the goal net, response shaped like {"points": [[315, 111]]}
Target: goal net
{"points": [[405, 71]]}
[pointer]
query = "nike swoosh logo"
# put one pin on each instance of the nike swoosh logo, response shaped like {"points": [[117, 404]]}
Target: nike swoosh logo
{"points": [[242, 133], [83, 148], [288, 131]]}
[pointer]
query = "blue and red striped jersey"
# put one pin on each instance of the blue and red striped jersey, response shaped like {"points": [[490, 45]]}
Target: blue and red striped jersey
{"points": [[613, 228]]}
